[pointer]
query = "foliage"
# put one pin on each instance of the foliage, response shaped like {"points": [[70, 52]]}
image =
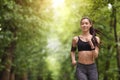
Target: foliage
{"points": [[43, 31]]}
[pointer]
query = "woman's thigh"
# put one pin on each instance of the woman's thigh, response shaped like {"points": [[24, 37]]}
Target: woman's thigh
{"points": [[93, 73], [80, 74]]}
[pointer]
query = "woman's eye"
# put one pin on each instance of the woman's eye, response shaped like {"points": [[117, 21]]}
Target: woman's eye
{"points": [[86, 23], [82, 24]]}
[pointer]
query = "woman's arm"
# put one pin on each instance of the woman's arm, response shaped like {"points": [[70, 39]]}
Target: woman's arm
{"points": [[73, 49], [95, 48], [96, 51]]}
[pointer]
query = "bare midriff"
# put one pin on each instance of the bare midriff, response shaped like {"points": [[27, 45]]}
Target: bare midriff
{"points": [[85, 57]]}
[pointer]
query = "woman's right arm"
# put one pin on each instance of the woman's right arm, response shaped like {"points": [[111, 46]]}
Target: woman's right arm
{"points": [[73, 49]]}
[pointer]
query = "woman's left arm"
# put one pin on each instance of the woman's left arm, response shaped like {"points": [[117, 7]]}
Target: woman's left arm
{"points": [[96, 50]]}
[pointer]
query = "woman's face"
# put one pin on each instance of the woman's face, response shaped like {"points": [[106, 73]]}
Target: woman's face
{"points": [[85, 25]]}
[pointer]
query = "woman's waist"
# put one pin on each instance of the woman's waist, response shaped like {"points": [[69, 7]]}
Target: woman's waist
{"points": [[86, 62], [86, 66], [80, 63]]}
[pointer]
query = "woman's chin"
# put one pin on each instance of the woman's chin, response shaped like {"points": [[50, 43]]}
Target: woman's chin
{"points": [[85, 30]]}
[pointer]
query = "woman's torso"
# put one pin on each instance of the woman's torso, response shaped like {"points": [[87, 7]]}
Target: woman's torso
{"points": [[85, 57], [85, 54]]}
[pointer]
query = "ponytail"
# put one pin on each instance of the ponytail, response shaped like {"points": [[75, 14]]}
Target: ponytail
{"points": [[93, 33]]}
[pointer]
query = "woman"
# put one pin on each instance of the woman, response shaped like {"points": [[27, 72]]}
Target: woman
{"points": [[88, 49]]}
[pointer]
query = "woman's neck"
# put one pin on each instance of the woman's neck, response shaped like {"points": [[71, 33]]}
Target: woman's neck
{"points": [[85, 34]]}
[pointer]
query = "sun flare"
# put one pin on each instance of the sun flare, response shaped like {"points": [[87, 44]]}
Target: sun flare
{"points": [[57, 3]]}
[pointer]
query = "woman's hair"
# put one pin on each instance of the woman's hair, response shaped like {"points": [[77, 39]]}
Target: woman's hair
{"points": [[92, 31]]}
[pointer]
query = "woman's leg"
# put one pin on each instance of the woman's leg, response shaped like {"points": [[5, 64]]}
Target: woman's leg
{"points": [[92, 72], [81, 73]]}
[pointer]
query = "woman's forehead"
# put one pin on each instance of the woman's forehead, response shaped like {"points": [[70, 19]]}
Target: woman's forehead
{"points": [[85, 20]]}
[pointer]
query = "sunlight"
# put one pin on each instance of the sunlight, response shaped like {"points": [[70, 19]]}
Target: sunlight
{"points": [[53, 44], [57, 3], [109, 6]]}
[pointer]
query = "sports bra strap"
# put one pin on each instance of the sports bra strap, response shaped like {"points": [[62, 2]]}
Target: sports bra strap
{"points": [[83, 45], [78, 38]]}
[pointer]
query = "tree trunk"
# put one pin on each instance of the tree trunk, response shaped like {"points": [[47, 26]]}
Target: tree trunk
{"points": [[116, 41], [107, 65], [12, 74], [7, 59], [24, 76]]}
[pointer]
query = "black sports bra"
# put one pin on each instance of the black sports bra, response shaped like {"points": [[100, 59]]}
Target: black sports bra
{"points": [[83, 46]]}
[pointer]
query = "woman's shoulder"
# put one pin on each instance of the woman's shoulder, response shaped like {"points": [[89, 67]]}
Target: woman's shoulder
{"points": [[75, 38], [98, 39]]}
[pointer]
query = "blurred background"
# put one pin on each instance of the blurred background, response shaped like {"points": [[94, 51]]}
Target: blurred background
{"points": [[36, 35]]}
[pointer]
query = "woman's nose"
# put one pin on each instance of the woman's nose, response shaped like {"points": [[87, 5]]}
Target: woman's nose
{"points": [[84, 25]]}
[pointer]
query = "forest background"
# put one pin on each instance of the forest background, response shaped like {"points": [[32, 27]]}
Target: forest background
{"points": [[36, 35]]}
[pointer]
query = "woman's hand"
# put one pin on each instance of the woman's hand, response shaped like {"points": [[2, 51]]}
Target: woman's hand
{"points": [[74, 62], [90, 42]]}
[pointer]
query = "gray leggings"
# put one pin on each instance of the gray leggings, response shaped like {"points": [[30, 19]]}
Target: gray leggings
{"points": [[86, 72]]}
